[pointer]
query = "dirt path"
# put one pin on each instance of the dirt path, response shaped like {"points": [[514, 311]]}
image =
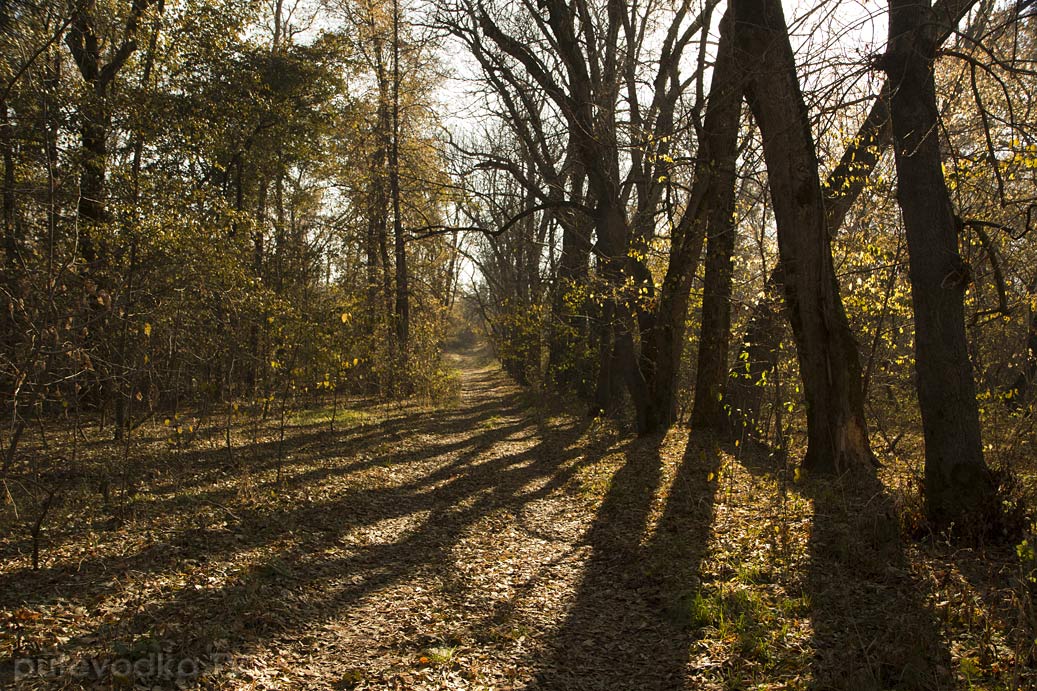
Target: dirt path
{"points": [[480, 545], [445, 547], [475, 560]]}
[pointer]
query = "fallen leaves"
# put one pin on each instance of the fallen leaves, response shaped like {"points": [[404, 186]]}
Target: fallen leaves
{"points": [[469, 547]]}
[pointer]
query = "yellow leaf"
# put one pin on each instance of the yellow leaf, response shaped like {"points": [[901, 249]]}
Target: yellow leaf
{"points": [[345, 317], [166, 422], [795, 475], [147, 329], [709, 478]]}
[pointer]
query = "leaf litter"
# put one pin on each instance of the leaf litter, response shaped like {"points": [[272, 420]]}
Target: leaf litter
{"points": [[489, 544]]}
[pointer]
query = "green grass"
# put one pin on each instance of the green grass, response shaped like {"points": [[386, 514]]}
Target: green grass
{"points": [[439, 655]]}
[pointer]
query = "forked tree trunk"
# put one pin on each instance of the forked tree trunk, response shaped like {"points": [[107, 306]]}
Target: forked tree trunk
{"points": [[843, 186], [663, 346], [958, 485], [829, 366]]}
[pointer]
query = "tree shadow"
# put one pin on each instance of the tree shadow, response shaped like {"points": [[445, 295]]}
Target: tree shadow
{"points": [[871, 627], [272, 572], [629, 625], [362, 449]]}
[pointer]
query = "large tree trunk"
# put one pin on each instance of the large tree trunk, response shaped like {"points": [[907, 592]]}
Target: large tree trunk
{"points": [[721, 131], [958, 485], [569, 340], [828, 360], [614, 326]]}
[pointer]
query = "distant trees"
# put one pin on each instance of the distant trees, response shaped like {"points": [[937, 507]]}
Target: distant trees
{"points": [[619, 97]]}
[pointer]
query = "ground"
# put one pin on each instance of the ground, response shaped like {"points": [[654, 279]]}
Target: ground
{"points": [[490, 542]]}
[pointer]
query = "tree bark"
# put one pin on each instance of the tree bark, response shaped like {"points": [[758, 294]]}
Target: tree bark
{"points": [[837, 437], [721, 131], [402, 306], [85, 46], [958, 486]]}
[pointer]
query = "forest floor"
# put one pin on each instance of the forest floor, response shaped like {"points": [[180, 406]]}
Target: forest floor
{"points": [[487, 543]]}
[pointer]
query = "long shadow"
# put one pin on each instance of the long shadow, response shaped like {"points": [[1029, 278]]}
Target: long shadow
{"points": [[25, 587], [309, 569], [628, 626], [201, 465], [984, 595], [871, 628], [291, 589]]}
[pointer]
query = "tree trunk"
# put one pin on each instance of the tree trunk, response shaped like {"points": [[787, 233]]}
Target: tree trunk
{"points": [[762, 339], [1021, 386], [11, 239], [125, 388], [376, 211], [721, 131], [569, 341], [958, 486], [92, 192], [10, 232], [709, 200], [282, 249], [402, 306], [828, 359]]}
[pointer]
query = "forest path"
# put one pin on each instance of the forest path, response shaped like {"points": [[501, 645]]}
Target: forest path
{"points": [[483, 544], [475, 557]]}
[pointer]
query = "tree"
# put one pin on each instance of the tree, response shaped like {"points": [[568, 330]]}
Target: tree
{"points": [[826, 351], [99, 71], [958, 486]]}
